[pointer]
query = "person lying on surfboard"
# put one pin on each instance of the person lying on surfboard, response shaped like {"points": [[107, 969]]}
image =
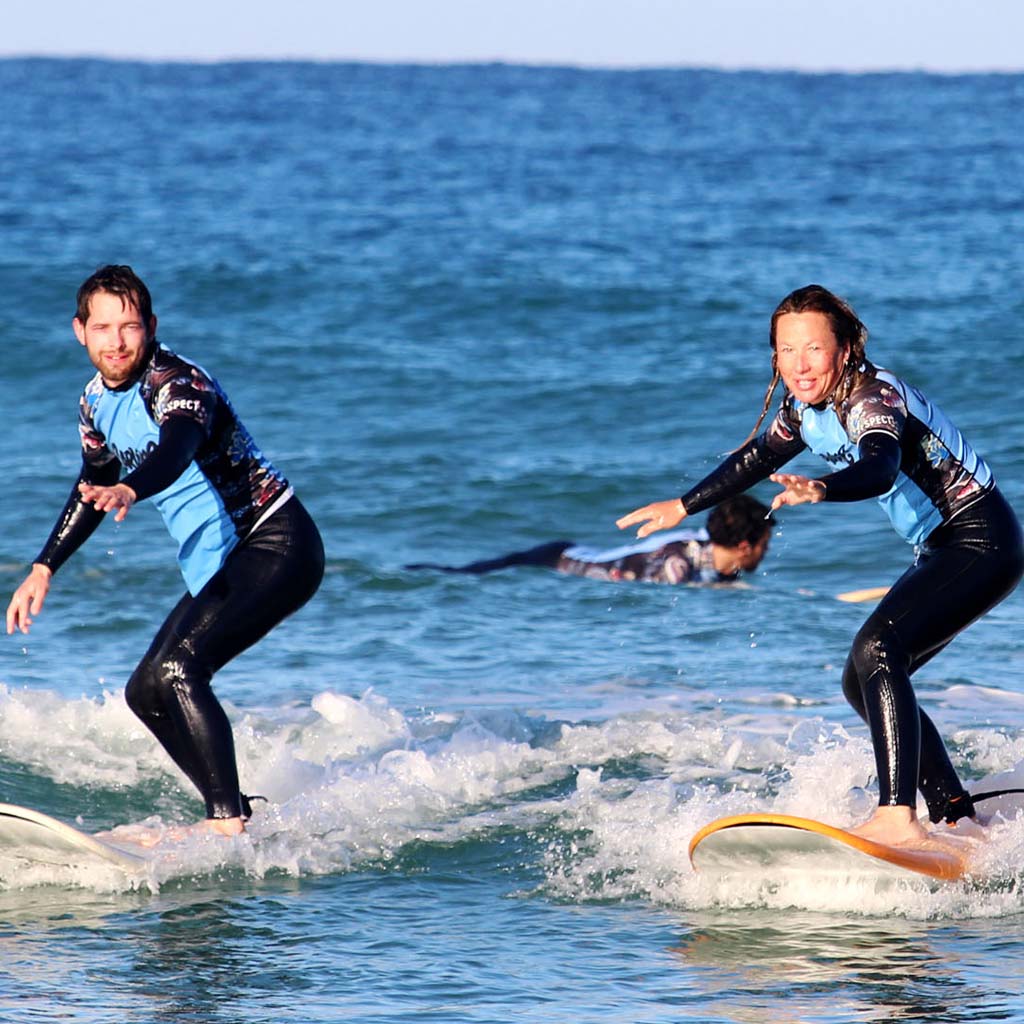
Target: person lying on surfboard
{"points": [[736, 539], [248, 550], [891, 443]]}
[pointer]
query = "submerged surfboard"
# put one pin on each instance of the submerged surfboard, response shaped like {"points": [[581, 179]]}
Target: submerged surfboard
{"points": [[37, 838], [756, 843]]}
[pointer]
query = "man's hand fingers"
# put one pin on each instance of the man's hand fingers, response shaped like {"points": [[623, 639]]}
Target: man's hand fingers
{"points": [[106, 499], [17, 617]]}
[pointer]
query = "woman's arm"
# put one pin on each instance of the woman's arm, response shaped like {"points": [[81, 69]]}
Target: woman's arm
{"points": [[873, 474], [746, 466]]}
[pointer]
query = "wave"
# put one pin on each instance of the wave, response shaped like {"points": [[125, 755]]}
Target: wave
{"points": [[605, 808]]}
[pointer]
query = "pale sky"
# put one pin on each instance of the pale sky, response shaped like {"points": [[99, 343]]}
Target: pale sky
{"points": [[852, 35]]}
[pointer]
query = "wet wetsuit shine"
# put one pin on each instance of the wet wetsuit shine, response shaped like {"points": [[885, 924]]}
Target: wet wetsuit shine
{"points": [[685, 556], [940, 495], [248, 550]]}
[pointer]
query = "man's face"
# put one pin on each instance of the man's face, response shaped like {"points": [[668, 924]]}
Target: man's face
{"points": [[750, 555], [115, 337]]}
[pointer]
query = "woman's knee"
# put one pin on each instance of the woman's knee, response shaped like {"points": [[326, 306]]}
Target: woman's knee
{"points": [[877, 646], [852, 689]]}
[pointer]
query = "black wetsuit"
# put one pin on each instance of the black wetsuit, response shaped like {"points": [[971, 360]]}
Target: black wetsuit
{"points": [[685, 556], [250, 553], [900, 448]]}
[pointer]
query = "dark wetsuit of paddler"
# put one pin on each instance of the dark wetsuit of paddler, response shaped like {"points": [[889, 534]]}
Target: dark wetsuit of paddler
{"points": [[736, 539]]}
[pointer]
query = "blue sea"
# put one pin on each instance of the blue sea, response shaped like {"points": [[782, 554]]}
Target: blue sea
{"points": [[466, 310]]}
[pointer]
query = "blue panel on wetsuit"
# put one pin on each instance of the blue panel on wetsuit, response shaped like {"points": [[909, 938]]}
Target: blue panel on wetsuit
{"points": [[940, 474], [193, 511], [586, 553]]}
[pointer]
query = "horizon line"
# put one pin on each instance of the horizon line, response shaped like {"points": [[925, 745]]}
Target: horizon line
{"points": [[540, 64]]}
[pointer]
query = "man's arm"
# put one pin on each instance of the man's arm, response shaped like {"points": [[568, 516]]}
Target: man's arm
{"points": [[75, 524], [78, 519], [180, 439]]}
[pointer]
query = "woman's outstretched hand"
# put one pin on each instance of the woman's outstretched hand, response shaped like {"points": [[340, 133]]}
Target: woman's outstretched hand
{"points": [[662, 515], [796, 490]]}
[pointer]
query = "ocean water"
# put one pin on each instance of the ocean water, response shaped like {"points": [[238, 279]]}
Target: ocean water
{"points": [[468, 310]]}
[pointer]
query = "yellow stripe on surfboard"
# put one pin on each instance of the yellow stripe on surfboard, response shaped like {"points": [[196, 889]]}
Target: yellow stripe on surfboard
{"points": [[867, 594], [948, 861]]}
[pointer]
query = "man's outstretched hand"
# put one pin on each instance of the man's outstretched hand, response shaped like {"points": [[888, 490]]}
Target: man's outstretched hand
{"points": [[28, 599]]}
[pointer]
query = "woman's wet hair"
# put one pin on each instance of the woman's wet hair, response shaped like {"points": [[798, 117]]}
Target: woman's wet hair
{"points": [[117, 280], [848, 331]]}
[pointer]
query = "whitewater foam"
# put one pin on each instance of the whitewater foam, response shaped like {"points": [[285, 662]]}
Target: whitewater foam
{"points": [[611, 805]]}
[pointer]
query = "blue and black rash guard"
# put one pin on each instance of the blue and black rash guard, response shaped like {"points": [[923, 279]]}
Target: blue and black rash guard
{"points": [[891, 442], [175, 432], [682, 556]]}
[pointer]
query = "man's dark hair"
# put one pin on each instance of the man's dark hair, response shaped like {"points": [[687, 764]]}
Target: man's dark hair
{"points": [[117, 280], [739, 519]]}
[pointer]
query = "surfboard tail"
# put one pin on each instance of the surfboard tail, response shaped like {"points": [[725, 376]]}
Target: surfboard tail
{"points": [[750, 839]]}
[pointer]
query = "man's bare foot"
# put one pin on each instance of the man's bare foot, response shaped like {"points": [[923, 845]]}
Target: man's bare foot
{"points": [[150, 836], [894, 826]]}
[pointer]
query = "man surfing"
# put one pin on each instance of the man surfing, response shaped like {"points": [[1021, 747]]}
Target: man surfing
{"points": [[248, 550]]}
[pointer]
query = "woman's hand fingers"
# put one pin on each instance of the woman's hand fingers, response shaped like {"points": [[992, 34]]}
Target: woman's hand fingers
{"points": [[796, 490], [636, 516], [661, 515]]}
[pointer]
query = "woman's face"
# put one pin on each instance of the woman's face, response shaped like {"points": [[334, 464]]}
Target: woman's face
{"points": [[809, 358]]}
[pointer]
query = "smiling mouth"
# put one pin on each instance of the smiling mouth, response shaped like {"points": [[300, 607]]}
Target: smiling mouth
{"points": [[117, 366]]}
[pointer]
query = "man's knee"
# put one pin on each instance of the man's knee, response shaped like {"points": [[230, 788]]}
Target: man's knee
{"points": [[142, 690], [158, 682]]}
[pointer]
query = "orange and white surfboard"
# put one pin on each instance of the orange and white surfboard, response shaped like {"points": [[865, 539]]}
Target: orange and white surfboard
{"points": [[753, 842]]}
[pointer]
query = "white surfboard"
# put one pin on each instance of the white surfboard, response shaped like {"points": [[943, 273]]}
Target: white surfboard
{"points": [[35, 837], [764, 843]]}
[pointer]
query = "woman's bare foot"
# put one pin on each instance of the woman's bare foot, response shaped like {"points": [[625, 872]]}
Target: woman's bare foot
{"points": [[133, 835], [894, 826], [224, 826]]}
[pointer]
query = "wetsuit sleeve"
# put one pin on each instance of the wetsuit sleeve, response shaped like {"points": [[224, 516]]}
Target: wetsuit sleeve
{"points": [[872, 474], [748, 465], [78, 519], [180, 438]]}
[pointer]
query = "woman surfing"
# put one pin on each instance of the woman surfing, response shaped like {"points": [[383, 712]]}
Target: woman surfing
{"points": [[893, 444]]}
